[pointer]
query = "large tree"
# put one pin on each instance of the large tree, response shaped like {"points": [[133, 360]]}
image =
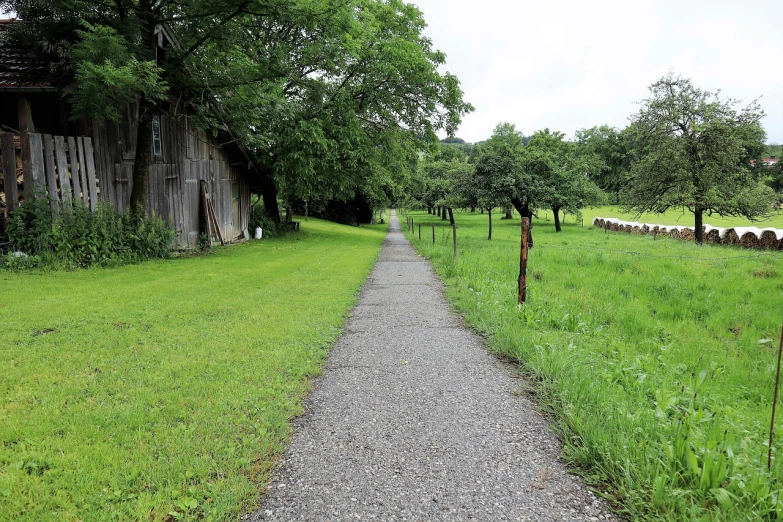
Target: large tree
{"points": [[500, 177], [562, 170], [611, 146], [358, 113], [692, 149], [332, 96]]}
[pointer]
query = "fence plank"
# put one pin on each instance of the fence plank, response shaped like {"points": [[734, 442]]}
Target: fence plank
{"points": [[37, 169], [74, 156], [83, 170], [50, 172], [9, 171], [62, 170], [91, 182]]}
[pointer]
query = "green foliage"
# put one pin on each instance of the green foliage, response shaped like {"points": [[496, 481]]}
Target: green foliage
{"points": [[692, 149], [562, 171], [500, 176], [78, 237], [108, 75], [258, 218], [164, 390], [654, 359], [612, 147]]}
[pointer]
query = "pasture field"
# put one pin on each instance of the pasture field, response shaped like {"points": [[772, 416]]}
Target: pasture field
{"points": [[164, 390], [654, 359], [672, 216]]}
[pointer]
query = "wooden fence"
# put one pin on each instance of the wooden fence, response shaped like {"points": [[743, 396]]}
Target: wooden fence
{"points": [[62, 168]]}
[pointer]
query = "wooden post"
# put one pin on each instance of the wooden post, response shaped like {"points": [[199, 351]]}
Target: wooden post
{"points": [[37, 170], [774, 402], [205, 212], [9, 171], [51, 173], [73, 154], [25, 114], [433, 234], [83, 170], [419, 231], [62, 170], [454, 237], [522, 282], [89, 166]]}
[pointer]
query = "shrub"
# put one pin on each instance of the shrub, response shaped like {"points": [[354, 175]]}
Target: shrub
{"points": [[259, 219], [77, 237]]}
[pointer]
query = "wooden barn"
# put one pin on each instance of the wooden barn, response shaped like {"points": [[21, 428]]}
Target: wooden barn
{"points": [[83, 160]]}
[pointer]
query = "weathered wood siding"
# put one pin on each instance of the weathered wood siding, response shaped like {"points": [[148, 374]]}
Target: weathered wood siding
{"points": [[188, 156]]}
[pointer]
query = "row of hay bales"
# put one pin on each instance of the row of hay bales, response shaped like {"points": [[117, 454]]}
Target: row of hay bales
{"points": [[749, 237]]}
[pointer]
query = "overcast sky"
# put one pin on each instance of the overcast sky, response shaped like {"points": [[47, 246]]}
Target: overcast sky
{"points": [[570, 64]]}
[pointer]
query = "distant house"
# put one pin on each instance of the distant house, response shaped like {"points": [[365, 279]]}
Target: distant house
{"points": [[767, 162], [63, 156]]}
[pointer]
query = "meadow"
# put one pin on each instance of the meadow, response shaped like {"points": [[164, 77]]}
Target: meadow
{"points": [[163, 390], [654, 359]]}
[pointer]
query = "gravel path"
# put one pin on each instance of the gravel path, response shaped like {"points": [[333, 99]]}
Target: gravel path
{"points": [[414, 420]]}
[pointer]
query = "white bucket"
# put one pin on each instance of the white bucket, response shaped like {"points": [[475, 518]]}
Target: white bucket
{"points": [[259, 233]]}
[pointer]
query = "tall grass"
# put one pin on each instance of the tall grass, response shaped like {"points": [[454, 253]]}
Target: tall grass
{"points": [[655, 359]]}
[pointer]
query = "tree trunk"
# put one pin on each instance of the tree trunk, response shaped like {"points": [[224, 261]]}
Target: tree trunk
{"points": [[269, 195], [489, 211], [451, 215], [524, 211], [556, 214], [147, 108], [429, 210], [699, 225], [443, 215], [141, 165], [472, 210], [508, 215]]}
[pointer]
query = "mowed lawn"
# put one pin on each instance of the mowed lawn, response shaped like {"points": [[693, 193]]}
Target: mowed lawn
{"points": [[164, 390], [674, 217], [655, 359]]}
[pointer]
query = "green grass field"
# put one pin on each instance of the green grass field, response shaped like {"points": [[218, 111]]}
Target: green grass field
{"points": [[655, 359], [672, 217], [164, 390]]}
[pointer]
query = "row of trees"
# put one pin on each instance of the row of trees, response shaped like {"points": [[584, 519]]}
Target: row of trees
{"points": [[686, 147], [328, 97], [510, 170]]}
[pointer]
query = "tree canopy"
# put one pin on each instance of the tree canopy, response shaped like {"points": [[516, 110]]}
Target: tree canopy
{"points": [[562, 170], [692, 149], [328, 97]]}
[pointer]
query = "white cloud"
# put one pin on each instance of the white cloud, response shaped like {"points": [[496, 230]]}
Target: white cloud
{"points": [[568, 65]]}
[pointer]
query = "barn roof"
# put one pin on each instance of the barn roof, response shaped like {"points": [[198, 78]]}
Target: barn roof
{"points": [[21, 70]]}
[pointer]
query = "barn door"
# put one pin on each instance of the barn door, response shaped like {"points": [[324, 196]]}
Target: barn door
{"points": [[176, 213]]}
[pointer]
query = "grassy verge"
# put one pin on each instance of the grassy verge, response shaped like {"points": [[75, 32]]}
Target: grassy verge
{"points": [[655, 359], [674, 217], [163, 390]]}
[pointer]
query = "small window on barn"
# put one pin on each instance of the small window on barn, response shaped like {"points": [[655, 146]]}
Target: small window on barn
{"points": [[157, 143]]}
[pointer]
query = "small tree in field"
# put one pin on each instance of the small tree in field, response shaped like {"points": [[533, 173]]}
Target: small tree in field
{"points": [[498, 170], [562, 169], [692, 149]]}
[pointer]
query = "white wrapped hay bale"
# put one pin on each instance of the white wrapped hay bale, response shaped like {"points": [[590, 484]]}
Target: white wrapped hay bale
{"points": [[771, 238]]}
